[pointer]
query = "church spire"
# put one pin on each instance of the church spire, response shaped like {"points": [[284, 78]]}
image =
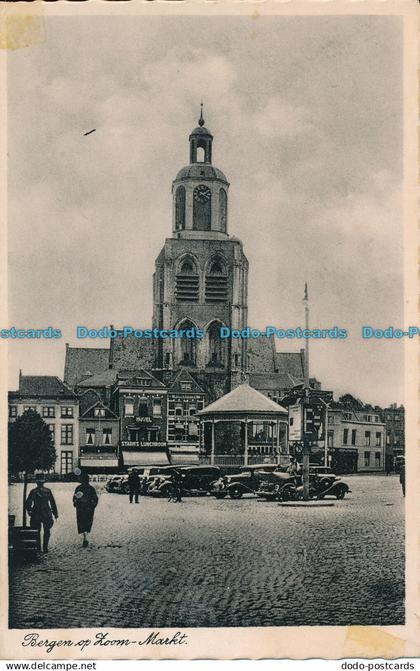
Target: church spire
{"points": [[201, 119]]}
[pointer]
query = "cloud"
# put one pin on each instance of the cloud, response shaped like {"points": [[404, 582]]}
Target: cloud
{"points": [[280, 119]]}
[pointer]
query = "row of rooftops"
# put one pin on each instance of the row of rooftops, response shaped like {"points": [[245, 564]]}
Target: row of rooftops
{"points": [[244, 398], [267, 367], [129, 362], [50, 386]]}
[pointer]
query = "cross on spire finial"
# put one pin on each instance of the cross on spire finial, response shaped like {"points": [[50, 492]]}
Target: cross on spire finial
{"points": [[201, 120]]}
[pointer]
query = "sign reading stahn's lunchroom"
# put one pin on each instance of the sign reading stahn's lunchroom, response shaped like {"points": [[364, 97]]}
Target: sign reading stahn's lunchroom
{"points": [[142, 443]]}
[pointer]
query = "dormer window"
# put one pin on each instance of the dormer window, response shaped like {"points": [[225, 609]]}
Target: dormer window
{"points": [[185, 386]]}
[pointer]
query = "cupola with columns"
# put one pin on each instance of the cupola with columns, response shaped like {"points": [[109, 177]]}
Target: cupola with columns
{"points": [[200, 191]]}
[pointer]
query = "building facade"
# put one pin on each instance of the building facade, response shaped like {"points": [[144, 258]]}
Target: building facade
{"points": [[140, 401], [394, 417], [355, 437], [185, 400], [58, 406], [99, 433]]}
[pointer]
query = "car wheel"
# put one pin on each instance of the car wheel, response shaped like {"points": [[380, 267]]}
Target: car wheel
{"points": [[340, 494], [235, 493], [220, 496]]}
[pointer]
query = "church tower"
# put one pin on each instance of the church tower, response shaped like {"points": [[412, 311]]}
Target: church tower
{"points": [[201, 274]]}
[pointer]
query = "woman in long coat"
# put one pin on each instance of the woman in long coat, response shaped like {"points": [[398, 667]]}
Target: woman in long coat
{"points": [[85, 501]]}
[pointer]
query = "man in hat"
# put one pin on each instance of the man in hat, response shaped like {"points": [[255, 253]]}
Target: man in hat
{"points": [[133, 486], [41, 507]]}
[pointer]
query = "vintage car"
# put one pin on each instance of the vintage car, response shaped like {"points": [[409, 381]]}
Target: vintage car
{"points": [[321, 486], [320, 470], [280, 486], [150, 475], [194, 480], [118, 484], [247, 481]]}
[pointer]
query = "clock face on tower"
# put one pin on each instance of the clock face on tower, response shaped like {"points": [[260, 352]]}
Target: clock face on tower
{"points": [[202, 193]]}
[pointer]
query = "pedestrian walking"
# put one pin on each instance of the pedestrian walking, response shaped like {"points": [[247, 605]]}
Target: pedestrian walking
{"points": [[402, 477], [175, 492], [133, 486], [292, 469], [85, 500], [42, 508]]}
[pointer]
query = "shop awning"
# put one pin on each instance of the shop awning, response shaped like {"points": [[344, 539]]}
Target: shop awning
{"points": [[184, 454], [99, 462], [145, 458]]}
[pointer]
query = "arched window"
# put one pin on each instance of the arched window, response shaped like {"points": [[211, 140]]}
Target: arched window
{"points": [[186, 348], [187, 282], [216, 346], [216, 287], [202, 208], [223, 210], [180, 208]]}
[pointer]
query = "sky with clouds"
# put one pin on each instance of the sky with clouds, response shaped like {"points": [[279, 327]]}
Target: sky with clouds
{"points": [[306, 113]]}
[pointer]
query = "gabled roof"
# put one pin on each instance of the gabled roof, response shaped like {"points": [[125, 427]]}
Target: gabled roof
{"points": [[47, 386], [87, 399], [130, 378], [104, 379], [243, 400], [185, 376], [82, 362], [88, 402]]}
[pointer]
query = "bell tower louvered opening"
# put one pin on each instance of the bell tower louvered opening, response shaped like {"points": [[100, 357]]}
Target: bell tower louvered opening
{"points": [[187, 283], [216, 288]]}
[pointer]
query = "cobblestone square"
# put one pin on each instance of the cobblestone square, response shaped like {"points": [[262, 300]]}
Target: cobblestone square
{"points": [[210, 563]]}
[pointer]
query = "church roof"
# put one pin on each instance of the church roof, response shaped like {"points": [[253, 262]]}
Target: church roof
{"points": [[131, 353], [201, 171], [272, 381], [291, 363], [84, 361], [243, 400], [261, 355]]}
